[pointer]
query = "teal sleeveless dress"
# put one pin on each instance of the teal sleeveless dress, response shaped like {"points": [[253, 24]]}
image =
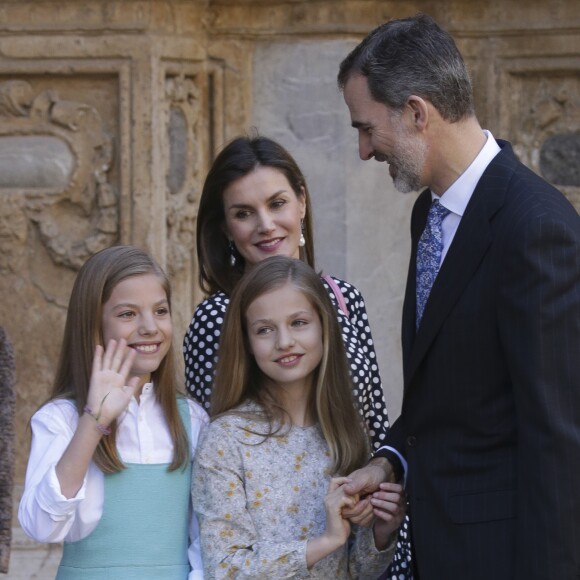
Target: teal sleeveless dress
{"points": [[143, 533]]}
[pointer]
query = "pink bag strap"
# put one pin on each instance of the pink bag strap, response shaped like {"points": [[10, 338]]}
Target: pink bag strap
{"points": [[337, 293]]}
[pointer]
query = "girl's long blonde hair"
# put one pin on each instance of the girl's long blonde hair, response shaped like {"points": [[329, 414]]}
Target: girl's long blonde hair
{"points": [[83, 331], [239, 379]]}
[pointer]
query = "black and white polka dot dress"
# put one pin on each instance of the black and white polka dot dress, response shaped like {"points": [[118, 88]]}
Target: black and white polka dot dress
{"points": [[200, 353]]}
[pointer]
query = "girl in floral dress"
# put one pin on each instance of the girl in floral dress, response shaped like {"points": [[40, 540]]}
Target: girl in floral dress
{"points": [[269, 476]]}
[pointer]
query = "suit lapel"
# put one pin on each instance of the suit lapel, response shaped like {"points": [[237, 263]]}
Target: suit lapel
{"points": [[466, 252]]}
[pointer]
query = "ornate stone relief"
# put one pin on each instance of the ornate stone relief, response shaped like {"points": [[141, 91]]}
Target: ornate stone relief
{"points": [[545, 123], [56, 154], [185, 142]]}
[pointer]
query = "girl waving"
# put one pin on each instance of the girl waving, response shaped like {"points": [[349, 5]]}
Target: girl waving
{"points": [[110, 463]]}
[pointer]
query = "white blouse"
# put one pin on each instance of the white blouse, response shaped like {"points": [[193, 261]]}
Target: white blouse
{"points": [[142, 437]]}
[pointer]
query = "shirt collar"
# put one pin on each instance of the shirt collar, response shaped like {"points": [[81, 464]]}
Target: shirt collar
{"points": [[147, 389], [456, 198]]}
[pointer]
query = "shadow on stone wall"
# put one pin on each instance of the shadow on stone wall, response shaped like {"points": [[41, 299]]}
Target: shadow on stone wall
{"points": [[7, 404]]}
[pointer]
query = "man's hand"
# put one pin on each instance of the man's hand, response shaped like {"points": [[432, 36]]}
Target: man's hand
{"points": [[363, 482], [389, 506]]}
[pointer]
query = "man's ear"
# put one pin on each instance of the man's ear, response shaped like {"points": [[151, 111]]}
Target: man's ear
{"points": [[419, 111]]}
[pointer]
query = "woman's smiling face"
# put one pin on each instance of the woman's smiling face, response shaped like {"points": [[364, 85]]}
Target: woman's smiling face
{"points": [[263, 215]]}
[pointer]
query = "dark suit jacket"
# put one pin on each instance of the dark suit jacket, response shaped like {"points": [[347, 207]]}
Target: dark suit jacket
{"points": [[490, 423]]}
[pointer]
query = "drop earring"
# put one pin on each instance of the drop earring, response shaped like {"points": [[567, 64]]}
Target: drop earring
{"points": [[232, 252], [302, 240]]}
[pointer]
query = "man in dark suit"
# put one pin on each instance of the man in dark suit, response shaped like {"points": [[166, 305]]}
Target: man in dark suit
{"points": [[489, 433]]}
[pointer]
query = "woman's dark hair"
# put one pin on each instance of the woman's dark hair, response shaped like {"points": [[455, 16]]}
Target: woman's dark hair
{"points": [[239, 158]]}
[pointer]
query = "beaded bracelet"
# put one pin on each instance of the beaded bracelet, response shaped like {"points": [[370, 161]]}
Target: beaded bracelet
{"points": [[96, 416], [102, 428]]}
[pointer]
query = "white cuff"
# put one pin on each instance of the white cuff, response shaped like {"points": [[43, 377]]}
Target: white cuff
{"points": [[401, 459], [52, 501]]}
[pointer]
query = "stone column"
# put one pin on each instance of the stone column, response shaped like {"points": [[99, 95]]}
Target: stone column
{"points": [[104, 139]]}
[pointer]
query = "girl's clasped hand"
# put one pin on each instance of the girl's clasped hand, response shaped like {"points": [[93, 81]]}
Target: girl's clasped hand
{"points": [[386, 510]]}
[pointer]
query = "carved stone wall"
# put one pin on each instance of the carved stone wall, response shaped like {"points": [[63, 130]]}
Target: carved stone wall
{"points": [[104, 138], [541, 113], [186, 153], [111, 110], [59, 205]]}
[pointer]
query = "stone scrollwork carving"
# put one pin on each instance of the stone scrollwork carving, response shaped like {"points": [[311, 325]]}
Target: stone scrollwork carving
{"points": [[183, 162], [57, 154], [547, 134]]}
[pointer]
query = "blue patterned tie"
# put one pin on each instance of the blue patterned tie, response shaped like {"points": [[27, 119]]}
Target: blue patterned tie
{"points": [[429, 251]]}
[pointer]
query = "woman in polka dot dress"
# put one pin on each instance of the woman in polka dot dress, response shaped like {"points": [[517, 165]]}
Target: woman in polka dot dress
{"points": [[255, 204]]}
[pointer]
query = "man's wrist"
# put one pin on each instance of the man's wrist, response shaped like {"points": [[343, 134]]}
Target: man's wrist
{"points": [[397, 471], [384, 463]]}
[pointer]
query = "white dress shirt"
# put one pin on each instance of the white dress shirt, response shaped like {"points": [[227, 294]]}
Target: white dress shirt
{"points": [[456, 198], [142, 437]]}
